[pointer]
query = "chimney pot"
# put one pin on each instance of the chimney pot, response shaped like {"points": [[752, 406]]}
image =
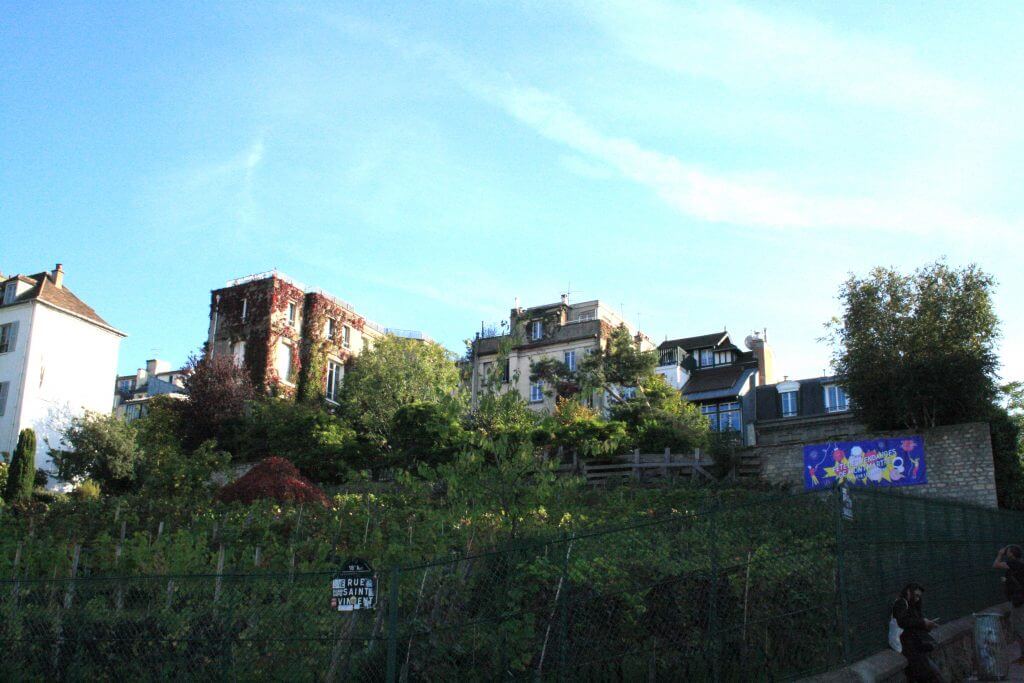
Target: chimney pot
{"points": [[565, 298], [58, 276]]}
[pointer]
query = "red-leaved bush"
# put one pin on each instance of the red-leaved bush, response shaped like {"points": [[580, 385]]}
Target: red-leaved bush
{"points": [[274, 478]]}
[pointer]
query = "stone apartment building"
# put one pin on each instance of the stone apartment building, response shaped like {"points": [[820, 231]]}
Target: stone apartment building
{"points": [[563, 331], [720, 377], [133, 393], [287, 334]]}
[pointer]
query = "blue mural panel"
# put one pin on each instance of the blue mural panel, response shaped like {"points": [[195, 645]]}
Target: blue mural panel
{"points": [[878, 462]]}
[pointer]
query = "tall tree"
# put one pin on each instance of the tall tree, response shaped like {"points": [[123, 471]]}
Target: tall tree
{"points": [[395, 372], [218, 391], [21, 476], [918, 350]]}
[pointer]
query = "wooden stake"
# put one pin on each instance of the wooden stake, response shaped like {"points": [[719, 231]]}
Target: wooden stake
{"points": [[220, 572]]}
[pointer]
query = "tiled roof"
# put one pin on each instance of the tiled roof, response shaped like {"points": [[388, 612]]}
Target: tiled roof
{"points": [[43, 289], [714, 379], [698, 342]]}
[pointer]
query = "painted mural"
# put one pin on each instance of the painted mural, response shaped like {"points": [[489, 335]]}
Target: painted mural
{"points": [[877, 462]]}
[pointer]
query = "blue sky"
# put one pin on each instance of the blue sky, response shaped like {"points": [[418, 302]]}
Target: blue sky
{"points": [[699, 165]]}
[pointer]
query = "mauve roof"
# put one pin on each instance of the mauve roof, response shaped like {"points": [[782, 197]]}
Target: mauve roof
{"points": [[698, 342], [43, 289]]}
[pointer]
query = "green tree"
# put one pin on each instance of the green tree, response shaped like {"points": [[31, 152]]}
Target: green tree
{"points": [[658, 418], [21, 475], [321, 445], [620, 365], [426, 433], [917, 351], [101, 448], [395, 372]]}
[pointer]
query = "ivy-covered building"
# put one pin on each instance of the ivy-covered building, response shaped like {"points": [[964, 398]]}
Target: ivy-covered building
{"points": [[563, 331], [294, 340], [719, 377]]}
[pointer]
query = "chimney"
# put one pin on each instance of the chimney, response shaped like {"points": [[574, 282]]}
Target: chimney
{"points": [[58, 276], [758, 343], [565, 299]]}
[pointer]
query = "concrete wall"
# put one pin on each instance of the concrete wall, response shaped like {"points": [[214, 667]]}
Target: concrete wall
{"points": [[12, 370], [954, 655], [959, 457], [70, 368]]}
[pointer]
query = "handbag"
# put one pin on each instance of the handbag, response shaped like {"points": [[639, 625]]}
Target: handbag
{"points": [[894, 635]]}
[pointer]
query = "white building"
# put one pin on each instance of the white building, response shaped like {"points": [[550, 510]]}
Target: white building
{"points": [[57, 359]]}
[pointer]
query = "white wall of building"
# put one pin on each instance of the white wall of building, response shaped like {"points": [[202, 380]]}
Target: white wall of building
{"points": [[70, 368], [12, 370]]}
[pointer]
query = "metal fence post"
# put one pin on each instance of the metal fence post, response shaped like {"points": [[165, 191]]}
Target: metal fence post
{"points": [[712, 638], [563, 615], [844, 613], [392, 670]]}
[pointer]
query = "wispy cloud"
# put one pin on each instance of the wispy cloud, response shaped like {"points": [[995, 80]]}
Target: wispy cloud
{"points": [[719, 198], [210, 194], [747, 48]]}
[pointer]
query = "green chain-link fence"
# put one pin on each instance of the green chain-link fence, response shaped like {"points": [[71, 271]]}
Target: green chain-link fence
{"points": [[763, 591]]}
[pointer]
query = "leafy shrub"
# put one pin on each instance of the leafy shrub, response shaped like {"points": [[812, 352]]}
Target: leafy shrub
{"points": [[273, 478], [102, 448], [427, 433], [577, 428], [87, 490], [321, 445], [4, 469]]}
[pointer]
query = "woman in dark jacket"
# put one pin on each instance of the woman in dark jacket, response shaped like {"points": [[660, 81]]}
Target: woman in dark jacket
{"points": [[915, 639]]}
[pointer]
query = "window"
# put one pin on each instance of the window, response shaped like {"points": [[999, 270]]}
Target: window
{"points": [[9, 291], [586, 315], [4, 390], [536, 392], [7, 334], [332, 328], [485, 374], [836, 400], [284, 362], [238, 353], [346, 336], [536, 330], [293, 313], [335, 373], [723, 417], [707, 358], [245, 309], [506, 373], [124, 386], [723, 357], [570, 360], [711, 413], [729, 417], [788, 399]]}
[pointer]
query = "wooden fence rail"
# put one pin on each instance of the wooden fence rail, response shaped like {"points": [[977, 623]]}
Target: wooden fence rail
{"points": [[642, 467]]}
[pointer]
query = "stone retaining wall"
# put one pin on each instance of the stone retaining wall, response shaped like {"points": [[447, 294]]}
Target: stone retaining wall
{"points": [[959, 457]]}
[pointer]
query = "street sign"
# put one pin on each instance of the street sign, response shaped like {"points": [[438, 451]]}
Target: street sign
{"points": [[354, 587]]}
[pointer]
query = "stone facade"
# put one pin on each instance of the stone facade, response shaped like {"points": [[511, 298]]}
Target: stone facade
{"points": [[959, 457]]}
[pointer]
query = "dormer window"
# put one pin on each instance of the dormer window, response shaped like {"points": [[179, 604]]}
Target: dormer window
{"points": [[9, 291], [836, 400], [788, 402], [706, 358], [723, 357], [536, 330]]}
